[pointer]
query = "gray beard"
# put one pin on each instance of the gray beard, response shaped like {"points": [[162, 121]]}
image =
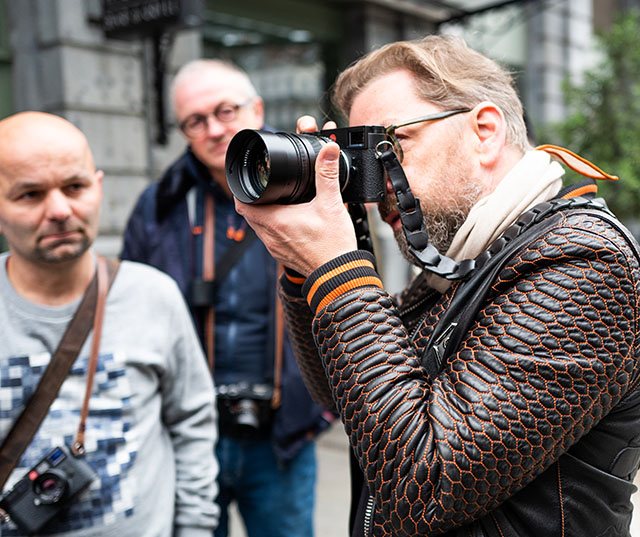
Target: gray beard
{"points": [[441, 225]]}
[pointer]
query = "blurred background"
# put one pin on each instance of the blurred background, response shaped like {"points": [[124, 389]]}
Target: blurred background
{"points": [[106, 64]]}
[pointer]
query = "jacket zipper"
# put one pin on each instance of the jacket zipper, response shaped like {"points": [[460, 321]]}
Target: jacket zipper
{"points": [[368, 517]]}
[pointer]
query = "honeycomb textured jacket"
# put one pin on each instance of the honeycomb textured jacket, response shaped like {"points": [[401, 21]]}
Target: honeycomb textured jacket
{"points": [[530, 428]]}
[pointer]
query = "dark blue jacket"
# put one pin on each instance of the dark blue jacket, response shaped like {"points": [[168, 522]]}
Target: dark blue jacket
{"points": [[160, 234]]}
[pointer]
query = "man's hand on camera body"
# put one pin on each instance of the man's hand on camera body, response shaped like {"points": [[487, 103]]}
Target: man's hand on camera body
{"points": [[305, 236]]}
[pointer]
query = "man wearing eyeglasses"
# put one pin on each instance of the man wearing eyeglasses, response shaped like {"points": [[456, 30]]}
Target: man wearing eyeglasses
{"points": [[499, 395], [187, 226]]}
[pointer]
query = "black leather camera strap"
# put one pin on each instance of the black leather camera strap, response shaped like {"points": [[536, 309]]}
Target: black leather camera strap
{"points": [[413, 227], [89, 314], [416, 234]]}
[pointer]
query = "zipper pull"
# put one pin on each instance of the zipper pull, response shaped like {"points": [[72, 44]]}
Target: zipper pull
{"points": [[440, 344]]}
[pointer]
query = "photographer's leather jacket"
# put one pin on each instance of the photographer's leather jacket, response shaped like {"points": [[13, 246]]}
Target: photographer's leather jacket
{"points": [[531, 427]]}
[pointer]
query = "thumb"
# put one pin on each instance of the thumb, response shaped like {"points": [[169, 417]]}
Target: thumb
{"points": [[328, 170]]}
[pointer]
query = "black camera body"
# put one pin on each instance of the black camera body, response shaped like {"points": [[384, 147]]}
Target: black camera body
{"points": [[244, 409], [46, 489], [264, 167]]}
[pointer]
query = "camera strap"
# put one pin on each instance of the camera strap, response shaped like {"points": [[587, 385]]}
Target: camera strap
{"points": [[212, 275], [359, 218], [89, 314], [413, 227], [203, 291], [416, 234]]}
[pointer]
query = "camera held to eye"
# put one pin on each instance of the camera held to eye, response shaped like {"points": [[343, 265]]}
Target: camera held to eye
{"points": [[264, 167], [46, 489]]}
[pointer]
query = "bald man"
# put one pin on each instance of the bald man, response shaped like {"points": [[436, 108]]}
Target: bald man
{"points": [[186, 225], [150, 430]]}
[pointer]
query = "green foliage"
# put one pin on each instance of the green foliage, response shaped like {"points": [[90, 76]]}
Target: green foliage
{"points": [[604, 120]]}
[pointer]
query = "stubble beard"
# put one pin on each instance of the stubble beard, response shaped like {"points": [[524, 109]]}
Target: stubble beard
{"points": [[66, 249], [50, 255], [443, 213]]}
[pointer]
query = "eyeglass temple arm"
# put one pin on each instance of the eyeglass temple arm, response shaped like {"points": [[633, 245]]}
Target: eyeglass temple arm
{"points": [[433, 117]]}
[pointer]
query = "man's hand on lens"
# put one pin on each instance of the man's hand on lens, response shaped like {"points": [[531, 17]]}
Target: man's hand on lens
{"points": [[305, 236]]}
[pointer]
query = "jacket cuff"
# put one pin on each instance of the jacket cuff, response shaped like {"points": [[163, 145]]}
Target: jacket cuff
{"points": [[291, 282], [344, 273]]}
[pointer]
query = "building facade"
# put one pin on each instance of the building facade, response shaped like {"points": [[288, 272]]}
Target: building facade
{"points": [[55, 57]]}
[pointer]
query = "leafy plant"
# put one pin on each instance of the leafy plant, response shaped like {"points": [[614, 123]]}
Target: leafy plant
{"points": [[603, 124]]}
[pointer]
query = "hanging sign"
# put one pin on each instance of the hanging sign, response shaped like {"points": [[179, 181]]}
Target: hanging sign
{"points": [[130, 19]]}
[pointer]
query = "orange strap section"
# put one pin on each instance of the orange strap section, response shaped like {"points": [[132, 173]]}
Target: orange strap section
{"points": [[298, 280], [576, 162], [581, 191]]}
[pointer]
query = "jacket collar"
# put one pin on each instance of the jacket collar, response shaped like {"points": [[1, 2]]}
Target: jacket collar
{"points": [[180, 177]]}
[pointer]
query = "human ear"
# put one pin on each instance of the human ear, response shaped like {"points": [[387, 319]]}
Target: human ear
{"points": [[489, 130]]}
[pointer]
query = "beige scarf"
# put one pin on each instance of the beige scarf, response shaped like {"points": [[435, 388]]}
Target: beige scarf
{"points": [[536, 178]]}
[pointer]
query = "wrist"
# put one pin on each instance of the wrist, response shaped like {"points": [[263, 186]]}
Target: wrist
{"points": [[346, 272]]}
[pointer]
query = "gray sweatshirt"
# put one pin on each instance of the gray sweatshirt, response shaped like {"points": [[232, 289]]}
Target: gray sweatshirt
{"points": [[151, 427]]}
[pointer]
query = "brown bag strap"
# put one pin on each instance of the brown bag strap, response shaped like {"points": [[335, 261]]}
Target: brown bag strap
{"points": [[25, 427], [104, 273], [209, 274]]}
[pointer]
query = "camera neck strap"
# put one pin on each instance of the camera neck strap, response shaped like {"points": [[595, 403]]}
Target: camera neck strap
{"points": [[413, 227], [213, 275], [89, 314], [413, 223]]}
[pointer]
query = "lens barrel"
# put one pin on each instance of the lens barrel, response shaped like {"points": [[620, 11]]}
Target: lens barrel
{"points": [[50, 487], [265, 167]]}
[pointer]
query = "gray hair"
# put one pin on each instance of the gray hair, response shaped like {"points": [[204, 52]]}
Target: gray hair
{"points": [[201, 66], [447, 73]]}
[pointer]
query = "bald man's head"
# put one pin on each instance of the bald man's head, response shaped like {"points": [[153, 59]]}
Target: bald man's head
{"points": [[28, 135], [50, 191]]}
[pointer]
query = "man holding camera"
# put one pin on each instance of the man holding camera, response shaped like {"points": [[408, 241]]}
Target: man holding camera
{"points": [[187, 226], [499, 394], [125, 447]]}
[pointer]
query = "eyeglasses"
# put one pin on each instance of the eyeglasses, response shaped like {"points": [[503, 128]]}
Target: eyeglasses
{"points": [[390, 131], [196, 125]]}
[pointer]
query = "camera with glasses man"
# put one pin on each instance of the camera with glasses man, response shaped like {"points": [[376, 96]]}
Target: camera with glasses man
{"points": [[264, 167]]}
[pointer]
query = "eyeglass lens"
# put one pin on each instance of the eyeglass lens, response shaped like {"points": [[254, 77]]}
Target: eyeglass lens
{"points": [[196, 125], [390, 131]]}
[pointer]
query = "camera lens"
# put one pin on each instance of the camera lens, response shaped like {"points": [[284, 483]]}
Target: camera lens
{"points": [[258, 170], [265, 167], [50, 487], [260, 175], [247, 414]]}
